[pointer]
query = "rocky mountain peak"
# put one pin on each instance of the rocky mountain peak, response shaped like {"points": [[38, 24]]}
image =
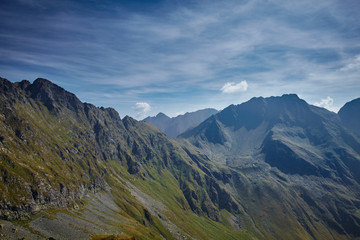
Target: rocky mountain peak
{"points": [[113, 113], [23, 84], [52, 95], [291, 96], [6, 85], [162, 115], [251, 114], [128, 121]]}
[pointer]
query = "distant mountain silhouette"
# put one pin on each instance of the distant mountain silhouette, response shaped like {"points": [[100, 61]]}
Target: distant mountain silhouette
{"points": [[172, 127]]}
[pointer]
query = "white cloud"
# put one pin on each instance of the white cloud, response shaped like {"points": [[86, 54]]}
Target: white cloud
{"points": [[327, 103], [231, 87], [142, 108]]}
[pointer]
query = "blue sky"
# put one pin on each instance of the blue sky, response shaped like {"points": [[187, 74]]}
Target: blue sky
{"points": [[143, 57]]}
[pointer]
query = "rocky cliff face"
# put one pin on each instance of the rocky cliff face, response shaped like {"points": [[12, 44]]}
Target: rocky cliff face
{"points": [[47, 156]]}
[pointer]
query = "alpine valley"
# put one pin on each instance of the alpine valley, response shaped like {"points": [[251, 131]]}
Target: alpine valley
{"points": [[269, 168]]}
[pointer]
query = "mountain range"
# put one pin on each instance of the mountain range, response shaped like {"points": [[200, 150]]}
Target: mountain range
{"points": [[175, 126], [269, 168]]}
